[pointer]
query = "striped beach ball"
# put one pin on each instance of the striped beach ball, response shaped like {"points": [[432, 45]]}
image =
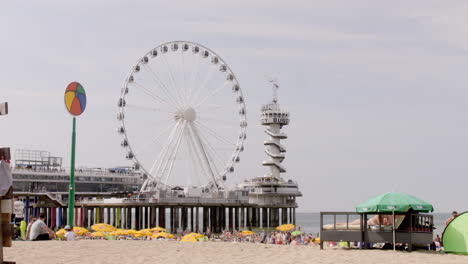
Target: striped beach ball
{"points": [[75, 98]]}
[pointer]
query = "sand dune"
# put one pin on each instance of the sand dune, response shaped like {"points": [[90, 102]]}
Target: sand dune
{"points": [[128, 251]]}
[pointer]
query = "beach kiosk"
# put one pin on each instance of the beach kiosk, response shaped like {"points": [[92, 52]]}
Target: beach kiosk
{"points": [[393, 217]]}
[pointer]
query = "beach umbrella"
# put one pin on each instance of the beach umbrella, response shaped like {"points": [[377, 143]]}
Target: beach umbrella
{"points": [[455, 236], [163, 234], [394, 202], [103, 228], [296, 233], [98, 234], [80, 231], [192, 237], [189, 239], [158, 229], [286, 227], [60, 233], [144, 232], [247, 233]]}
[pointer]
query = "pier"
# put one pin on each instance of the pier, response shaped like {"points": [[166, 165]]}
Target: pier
{"points": [[174, 214]]}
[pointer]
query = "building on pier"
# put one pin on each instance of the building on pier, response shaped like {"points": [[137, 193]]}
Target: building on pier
{"points": [[274, 195]]}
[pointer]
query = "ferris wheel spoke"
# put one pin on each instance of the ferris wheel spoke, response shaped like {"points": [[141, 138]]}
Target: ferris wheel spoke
{"points": [[193, 77], [162, 154], [146, 108], [183, 87], [173, 155], [213, 93], [174, 83], [214, 134], [155, 140], [162, 86], [148, 92], [216, 155], [202, 86], [211, 106], [195, 158], [215, 121], [202, 150]]}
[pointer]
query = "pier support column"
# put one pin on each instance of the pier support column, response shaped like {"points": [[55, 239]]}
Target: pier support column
{"points": [[284, 216], [205, 219], [128, 217], [177, 219], [294, 216], [223, 218], [172, 219], [137, 218], [264, 217], [254, 217], [249, 218], [197, 217], [192, 224], [236, 217], [152, 222], [85, 217], [162, 217], [231, 218], [184, 218], [213, 219]]}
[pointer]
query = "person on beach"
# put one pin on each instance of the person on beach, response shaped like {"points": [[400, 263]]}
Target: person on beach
{"points": [[32, 219], [454, 214], [69, 234], [40, 231]]}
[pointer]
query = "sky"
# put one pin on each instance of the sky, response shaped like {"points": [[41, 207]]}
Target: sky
{"points": [[377, 90]]}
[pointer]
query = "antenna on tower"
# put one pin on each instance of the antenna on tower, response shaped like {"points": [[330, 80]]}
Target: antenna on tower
{"points": [[274, 82]]}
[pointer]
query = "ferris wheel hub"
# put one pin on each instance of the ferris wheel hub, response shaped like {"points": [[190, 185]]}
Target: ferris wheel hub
{"points": [[188, 114]]}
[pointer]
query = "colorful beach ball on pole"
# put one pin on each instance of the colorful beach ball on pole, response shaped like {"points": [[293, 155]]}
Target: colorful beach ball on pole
{"points": [[75, 98]]}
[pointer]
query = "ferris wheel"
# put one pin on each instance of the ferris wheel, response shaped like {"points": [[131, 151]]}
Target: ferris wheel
{"points": [[182, 117]]}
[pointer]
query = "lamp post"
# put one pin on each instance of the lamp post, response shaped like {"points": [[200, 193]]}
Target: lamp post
{"points": [[75, 102]]}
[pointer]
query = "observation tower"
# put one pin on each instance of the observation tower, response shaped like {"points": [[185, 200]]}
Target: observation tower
{"points": [[275, 196]]}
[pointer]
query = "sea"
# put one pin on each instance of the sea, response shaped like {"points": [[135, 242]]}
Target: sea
{"points": [[310, 222]]}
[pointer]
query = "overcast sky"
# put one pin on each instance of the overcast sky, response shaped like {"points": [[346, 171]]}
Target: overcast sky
{"points": [[378, 92]]}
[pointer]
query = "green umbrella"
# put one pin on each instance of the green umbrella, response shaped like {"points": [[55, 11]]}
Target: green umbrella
{"points": [[393, 202], [296, 233]]}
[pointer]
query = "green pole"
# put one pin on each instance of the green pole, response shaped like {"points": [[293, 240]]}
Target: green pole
{"points": [[71, 189]]}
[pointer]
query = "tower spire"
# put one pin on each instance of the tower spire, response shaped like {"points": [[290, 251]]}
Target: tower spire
{"points": [[274, 82]]}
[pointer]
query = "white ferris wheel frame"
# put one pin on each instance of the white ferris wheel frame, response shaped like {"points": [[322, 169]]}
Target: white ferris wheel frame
{"points": [[154, 181]]}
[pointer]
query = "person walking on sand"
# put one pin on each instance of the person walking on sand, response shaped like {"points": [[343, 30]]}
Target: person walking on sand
{"points": [[40, 231], [454, 214]]}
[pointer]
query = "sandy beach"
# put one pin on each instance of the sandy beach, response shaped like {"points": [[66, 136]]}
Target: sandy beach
{"points": [[128, 251]]}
